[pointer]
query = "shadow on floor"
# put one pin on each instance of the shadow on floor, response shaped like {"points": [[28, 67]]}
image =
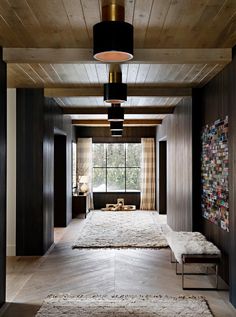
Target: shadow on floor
{"points": [[19, 309]]}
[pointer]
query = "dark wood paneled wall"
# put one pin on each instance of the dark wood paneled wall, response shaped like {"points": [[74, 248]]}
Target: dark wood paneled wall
{"points": [[51, 114], [60, 195], [37, 119], [101, 199], [177, 130], [216, 100], [230, 86], [162, 183], [67, 128], [3, 123], [55, 122], [29, 167]]}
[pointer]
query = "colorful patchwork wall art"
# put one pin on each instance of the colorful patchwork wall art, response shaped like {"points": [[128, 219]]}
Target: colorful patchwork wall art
{"points": [[214, 173]]}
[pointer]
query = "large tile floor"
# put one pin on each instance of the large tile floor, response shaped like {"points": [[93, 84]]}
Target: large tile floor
{"points": [[31, 279]]}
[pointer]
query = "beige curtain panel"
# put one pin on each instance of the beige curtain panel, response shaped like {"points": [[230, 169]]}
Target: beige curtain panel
{"points": [[148, 174], [85, 164]]}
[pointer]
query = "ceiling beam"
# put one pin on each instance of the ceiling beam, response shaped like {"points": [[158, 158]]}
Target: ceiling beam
{"points": [[130, 122], [132, 92], [128, 110], [147, 55]]}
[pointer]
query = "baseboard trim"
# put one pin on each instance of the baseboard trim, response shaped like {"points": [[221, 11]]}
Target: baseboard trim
{"points": [[11, 250]]}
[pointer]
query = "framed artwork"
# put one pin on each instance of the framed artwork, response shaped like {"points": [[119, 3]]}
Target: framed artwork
{"points": [[214, 173]]}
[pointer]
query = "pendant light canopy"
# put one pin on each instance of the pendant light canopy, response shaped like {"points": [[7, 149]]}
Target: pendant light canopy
{"points": [[116, 125], [113, 38], [115, 113], [116, 133]]}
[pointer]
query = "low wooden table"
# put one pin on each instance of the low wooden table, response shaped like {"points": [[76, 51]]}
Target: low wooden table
{"points": [[80, 205]]}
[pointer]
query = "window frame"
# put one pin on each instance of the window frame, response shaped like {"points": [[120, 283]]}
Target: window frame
{"points": [[125, 167]]}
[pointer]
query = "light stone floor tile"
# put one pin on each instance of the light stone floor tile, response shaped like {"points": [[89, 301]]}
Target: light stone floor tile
{"points": [[31, 279]]}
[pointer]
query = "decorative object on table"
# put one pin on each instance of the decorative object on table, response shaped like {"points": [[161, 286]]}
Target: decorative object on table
{"points": [[136, 229], [120, 201], [214, 173], [83, 184], [124, 305], [120, 206], [74, 190]]}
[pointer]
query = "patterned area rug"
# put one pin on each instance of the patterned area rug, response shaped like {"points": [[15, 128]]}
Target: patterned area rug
{"points": [[124, 306], [135, 229]]}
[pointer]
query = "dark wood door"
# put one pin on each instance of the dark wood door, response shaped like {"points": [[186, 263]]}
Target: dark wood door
{"points": [[60, 197], [2, 179], [162, 178]]}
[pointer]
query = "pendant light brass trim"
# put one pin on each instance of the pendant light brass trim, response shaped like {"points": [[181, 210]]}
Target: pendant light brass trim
{"points": [[113, 38]]}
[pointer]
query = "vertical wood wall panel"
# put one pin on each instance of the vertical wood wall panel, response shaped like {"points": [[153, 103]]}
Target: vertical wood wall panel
{"points": [[231, 86], [37, 119], [67, 127], [216, 100], [177, 129], [60, 183], [29, 167], [48, 177], [3, 100]]}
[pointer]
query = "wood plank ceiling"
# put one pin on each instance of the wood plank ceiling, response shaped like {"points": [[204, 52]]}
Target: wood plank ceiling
{"points": [[158, 24]]}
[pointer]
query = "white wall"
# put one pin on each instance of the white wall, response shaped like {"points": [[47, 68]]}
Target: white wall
{"points": [[11, 172]]}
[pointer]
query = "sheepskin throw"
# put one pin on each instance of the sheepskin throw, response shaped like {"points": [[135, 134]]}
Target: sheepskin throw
{"points": [[135, 229], [190, 243], [124, 306]]}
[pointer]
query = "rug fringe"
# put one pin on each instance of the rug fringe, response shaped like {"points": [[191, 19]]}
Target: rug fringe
{"points": [[68, 295]]}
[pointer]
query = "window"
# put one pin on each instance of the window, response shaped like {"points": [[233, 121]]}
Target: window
{"points": [[116, 167]]}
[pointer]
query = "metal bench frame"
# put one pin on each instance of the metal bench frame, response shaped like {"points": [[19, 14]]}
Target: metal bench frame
{"points": [[197, 259]]}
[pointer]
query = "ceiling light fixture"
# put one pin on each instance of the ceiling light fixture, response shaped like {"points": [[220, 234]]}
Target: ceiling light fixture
{"points": [[115, 113], [116, 125], [115, 91], [116, 133], [113, 38]]}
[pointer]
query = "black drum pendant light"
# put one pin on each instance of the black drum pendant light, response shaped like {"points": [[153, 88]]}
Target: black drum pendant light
{"points": [[115, 91], [116, 133], [116, 125], [113, 38], [115, 113]]}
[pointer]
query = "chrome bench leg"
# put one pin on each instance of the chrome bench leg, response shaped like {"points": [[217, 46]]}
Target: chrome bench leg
{"points": [[200, 288]]}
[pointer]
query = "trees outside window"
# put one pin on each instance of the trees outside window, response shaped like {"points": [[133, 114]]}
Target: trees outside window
{"points": [[116, 167]]}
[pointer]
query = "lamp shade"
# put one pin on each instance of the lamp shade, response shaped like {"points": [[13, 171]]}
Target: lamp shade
{"points": [[113, 41], [83, 179], [115, 92], [116, 133], [115, 113], [116, 125]]}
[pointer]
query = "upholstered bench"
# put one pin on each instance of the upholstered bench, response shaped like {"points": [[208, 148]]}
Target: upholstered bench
{"points": [[193, 248]]}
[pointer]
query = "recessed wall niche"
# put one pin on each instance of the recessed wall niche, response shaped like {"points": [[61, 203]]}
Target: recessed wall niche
{"points": [[214, 173]]}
